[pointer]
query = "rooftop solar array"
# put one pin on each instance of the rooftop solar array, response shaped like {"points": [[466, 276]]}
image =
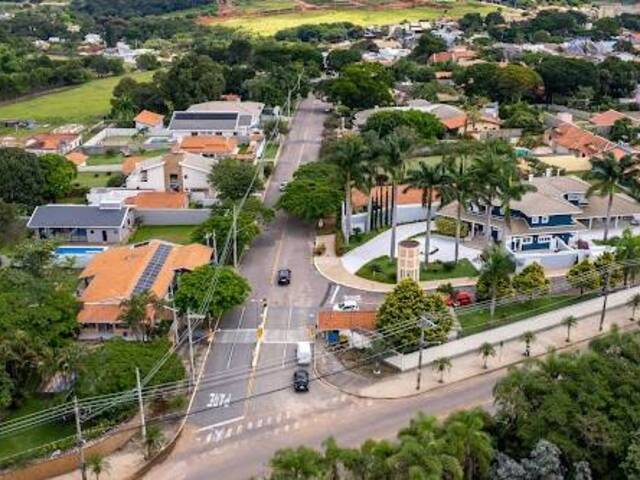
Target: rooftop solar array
{"points": [[205, 116], [152, 270]]}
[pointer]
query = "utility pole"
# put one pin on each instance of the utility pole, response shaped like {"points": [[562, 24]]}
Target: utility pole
{"points": [[424, 323], [606, 296], [191, 361], [235, 237], [83, 466], [215, 247], [142, 421]]}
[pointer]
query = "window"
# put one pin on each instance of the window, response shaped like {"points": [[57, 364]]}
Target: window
{"points": [[535, 219], [144, 176], [544, 219], [544, 239], [527, 240]]}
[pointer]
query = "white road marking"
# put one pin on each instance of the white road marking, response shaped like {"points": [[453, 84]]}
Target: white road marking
{"points": [[221, 424], [239, 430], [229, 433], [284, 350], [259, 424], [296, 425], [250, 426], [279, 418], [335, 294], [286, 428], [233, 345], [269, 419], [209, 437]]}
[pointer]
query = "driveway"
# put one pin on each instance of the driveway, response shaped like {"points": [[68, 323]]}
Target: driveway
{"points": [[380, 245]]}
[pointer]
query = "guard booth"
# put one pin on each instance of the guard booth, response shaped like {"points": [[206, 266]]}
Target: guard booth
{"points": [[332, 324]]}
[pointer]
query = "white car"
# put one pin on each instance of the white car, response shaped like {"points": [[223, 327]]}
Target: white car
{"points": [[346, 306], [283, 186]]}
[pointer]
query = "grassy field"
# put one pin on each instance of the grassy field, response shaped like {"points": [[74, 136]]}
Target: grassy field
{"points": [[255, 6], [82, 104], [268, 26], [118, 158], [90, 179], [383, 269], [171, 233]]}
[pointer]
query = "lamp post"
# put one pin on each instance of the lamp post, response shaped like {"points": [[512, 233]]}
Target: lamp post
{"points": [[424, 322]]}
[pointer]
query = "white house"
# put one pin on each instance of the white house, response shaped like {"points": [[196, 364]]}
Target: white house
{"points": [[60, 143]]}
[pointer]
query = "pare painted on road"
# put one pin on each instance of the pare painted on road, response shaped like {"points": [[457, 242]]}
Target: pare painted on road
{"points": [[217, 400]]}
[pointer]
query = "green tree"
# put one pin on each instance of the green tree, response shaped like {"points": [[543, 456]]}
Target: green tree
{"points": [[486, 350], [22, 180], [611, 273], [528, 338], [311, 199], [13, 229], [192, 293], [466, 438], [628, 254], [623, 131], [97, 464], [584, 276], [234, 179], [441, 365], [515, 82], [634, 303], [297, 464], [403, 307], [569, 322], [497, 266], [606, 174], [428, 44], [361, 85], [532, 281], [337, 59], [429, 179], [147, 61], [631, 465], [426, 125], [59, 174], [139, 313]]}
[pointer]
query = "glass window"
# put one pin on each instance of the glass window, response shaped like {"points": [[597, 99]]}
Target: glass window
{"points": [[544, 239], [535, 219], [527, 240], [544, 219]]}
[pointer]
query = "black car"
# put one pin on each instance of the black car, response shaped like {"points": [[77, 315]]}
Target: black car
{"points": [[284, 276], [301, 380]]}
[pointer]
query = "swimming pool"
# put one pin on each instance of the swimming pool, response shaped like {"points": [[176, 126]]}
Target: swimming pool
{"points": [[79, 250]]}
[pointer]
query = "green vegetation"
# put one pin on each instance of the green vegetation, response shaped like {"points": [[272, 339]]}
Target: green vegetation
{"points": [[249, 7], [383, 269], [118, 158], [171, 233], [358, 239], [270, 151], [263, 25], [91, 179], [83, 104]]}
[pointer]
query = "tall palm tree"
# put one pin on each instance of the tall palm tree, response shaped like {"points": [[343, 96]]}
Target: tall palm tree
{"points": [[395, 150], [606, 174], [427, 178], [634, 303], [138, 312], [468, 441], [486, 350], [441, 365], [528, 338], [348, 154], [569, 322], [511, 189], [497, 265], [459, 188], [628, 253], [97, 464]]}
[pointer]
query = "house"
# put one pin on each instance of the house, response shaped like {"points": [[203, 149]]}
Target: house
{"points": [[78, 158], [174, 172], [548, 219], [604, 121], [147, 120], [60, 143], [105, 223], [225, 118], [567, 138], [463, 124], [138, 199], [210, 146], [118, 273], [460, 55]]}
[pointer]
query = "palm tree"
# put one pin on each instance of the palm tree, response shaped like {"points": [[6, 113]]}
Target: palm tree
{"points": [[138, 312], [395, 150], [467, 440], [486, 350], [153, 441], [569, 322], [634, 303], [428, 178], [606, 174], [528, 338], [97, 464], [628, 253], [497, 265], [441, 365], [348, 154], [511, 189], [460, 188]]}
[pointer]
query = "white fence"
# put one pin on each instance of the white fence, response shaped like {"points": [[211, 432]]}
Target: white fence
{"points": [[509, 332], [406, 214]]}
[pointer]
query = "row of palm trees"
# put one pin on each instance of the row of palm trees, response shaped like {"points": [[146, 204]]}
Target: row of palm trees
{"points": [[483, 173]]}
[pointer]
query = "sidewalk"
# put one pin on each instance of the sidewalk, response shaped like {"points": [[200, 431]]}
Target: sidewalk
{"points": [[469, 365]]}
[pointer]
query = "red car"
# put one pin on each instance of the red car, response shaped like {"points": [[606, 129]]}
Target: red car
{"points": [[459, 299]]}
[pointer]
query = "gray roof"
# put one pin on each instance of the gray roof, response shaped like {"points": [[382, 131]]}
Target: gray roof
{"points": [[251, 108], [76, 216], [193, 120]]}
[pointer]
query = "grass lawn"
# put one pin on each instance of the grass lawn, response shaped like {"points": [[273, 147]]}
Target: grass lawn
{"points": [[478, 320], [81, 104], [383, 269], [255, 6], [270, 151], [360, 239], [430, 160], [118, 158], [92, 179], [262, 25], [171, 233], [34, 437]]}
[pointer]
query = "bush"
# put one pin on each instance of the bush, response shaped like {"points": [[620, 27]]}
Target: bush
{"points": [[447, 226], [116, 180], [267, 169]]}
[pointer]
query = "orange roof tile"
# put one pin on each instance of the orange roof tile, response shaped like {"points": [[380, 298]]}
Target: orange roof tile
{"points": [[412, 196], [574, 138], [159, 200], [454, 123], [331, 320], [606, 119], [441, 57], [77, 158], [149, 118], [129, 164], [49, 141], [212, 144], [99, 313]]}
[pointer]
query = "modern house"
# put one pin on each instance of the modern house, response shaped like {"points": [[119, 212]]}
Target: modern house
{"points": [[174, 172], [212, 146], [223, 118], [139, 199], [110, 222], [60, 143], [115, 275]]}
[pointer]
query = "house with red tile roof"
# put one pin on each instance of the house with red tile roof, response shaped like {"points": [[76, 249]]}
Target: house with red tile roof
{"points": [[60, 143], [213, 146], [158, 200], [603, 121], [78, 158], [148, 120], [567, 138]]}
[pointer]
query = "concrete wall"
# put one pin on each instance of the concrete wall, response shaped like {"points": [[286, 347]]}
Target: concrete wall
{"points": [[406, 214], [185, 216]]}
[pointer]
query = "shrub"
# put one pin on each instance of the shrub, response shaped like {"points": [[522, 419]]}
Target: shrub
{"points": [[116, 180], [447, 226]]}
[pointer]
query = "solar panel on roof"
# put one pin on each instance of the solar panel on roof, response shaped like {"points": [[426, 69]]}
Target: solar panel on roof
{"points": [[205, 116], [151, 271]]}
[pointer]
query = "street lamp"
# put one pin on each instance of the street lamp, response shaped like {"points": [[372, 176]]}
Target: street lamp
{"points": [[424, 322]]}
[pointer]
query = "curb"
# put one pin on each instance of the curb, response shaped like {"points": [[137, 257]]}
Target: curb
{"points": [[566, 348]]}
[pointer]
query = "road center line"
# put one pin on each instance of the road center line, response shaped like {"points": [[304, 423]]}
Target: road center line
{"points": [[335, 294], [284, 350], [233, 345]]}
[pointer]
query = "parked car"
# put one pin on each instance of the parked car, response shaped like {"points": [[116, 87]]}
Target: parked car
{"points": [[284, 276], [459, 298], [301, 380], [347, 306], [283, 186]]}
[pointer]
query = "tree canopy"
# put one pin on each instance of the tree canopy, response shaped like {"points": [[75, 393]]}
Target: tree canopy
{"points": [[426, 125], [233, 179], [361, 86]]}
